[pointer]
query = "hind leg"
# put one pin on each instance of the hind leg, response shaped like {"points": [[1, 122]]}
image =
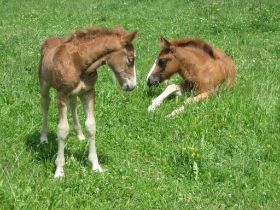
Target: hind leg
{"points": [[77, 126], [45, 102], [230, 73], [230, 81], [190, 100]]}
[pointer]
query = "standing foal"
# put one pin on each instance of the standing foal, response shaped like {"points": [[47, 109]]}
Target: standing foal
{"points": [[202, 67], [69, 65]]}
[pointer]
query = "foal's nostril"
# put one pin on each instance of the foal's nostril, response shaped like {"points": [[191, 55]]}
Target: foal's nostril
{"points": [[128, 87], [149, 83]]}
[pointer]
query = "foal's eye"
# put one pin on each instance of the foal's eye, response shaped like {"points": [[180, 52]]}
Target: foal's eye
{"points": [[130, 61], [162, 63]]}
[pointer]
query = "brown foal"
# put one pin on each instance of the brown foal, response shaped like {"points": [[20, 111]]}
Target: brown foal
{"points": [[69, 65], [202, 67]]}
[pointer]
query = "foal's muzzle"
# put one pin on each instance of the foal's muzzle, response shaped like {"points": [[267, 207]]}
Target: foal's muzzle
{"points": [[127, 87], [129, 84], [152, 81]]}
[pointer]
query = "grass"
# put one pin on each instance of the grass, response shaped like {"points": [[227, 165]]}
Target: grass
{"points": [[219, 154]]}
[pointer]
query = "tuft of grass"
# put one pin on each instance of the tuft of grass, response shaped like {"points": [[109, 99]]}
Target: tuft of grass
{"points": [[220, 153]]}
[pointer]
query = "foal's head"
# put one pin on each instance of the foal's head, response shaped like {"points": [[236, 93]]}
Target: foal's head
{"points": [[165, 65], [122, 62]]}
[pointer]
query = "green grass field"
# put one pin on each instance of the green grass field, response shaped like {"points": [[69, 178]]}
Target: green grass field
{"points": [[233, 138]]}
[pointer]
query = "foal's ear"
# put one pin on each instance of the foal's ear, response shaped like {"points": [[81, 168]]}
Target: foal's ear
{"points": [[164, 44], [128, 37], [173, 49]]}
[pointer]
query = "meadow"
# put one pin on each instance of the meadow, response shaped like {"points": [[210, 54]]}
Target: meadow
{"points": [[222, 153]]}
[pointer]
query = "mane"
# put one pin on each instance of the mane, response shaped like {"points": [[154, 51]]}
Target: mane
{"points": [[196, 43], [92, 32]]}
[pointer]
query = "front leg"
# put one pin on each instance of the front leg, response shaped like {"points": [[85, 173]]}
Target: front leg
{"points": [[168, 91], [62, 133], [88, 100]]}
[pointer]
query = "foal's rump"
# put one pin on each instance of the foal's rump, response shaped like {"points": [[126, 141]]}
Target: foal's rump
{"points": [[56, 66], [227, 65], [47, 52], [51, 43]]}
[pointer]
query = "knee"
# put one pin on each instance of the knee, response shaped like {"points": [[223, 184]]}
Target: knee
{"points": [[170, 87], [62, 131], [90, 126], [173, 87]]}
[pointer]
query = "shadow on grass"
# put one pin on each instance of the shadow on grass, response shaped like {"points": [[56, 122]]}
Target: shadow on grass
{"points": [[81, 156], [154, 92], [43, 152], [151, 92]]}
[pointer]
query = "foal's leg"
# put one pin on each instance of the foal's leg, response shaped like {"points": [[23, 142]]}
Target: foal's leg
{"points": [[77, 126], [168, 91], [197, 98], [62, 133], [45, 102], [88, 100]]}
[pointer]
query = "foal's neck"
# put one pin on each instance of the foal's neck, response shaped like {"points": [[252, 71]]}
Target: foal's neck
{"points": [[191, 61], [92, 51]]}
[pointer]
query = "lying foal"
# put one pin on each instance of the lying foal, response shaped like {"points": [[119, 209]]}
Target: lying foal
{"points": [[70, 66], [202, 67]]}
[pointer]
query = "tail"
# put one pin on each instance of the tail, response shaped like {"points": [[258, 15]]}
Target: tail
{"points": [[230, 80]]}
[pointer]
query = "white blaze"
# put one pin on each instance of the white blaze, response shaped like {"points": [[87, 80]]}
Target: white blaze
{"points": [[135, 77], [152, 69], [131, 82]]}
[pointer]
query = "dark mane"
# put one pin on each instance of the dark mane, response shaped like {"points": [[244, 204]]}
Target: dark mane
{"points": [[92, 32], [196, 43]]}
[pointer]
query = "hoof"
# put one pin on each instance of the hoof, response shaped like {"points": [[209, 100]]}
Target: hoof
{"points": [[59, 173], [81, 137], [175, 112], [171, 115], [97, 168], [154, 105], [151, 108], [44, 140]]}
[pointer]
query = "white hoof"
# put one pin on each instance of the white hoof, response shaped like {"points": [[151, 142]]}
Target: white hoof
{"points": [[81, 137], [155, 103], [151, 108], [59, 173], [171, 115], [175, 112], [97, 168], [43, 140]]}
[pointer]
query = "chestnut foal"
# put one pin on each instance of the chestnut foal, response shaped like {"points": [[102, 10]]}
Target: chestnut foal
{"points": [[202, 67], [69, 65]]}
